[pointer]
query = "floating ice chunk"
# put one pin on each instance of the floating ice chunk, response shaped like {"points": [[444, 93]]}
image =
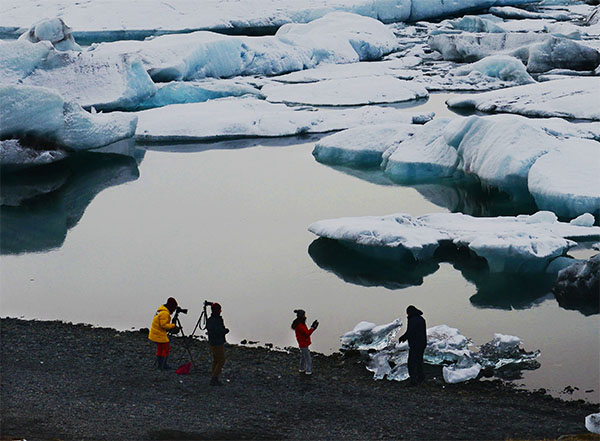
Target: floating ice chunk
{"points": [[473, 23], [362, 146], [424, 157], [577, 286], [366, 336], [55, 31], [543, 217], [592, 423], [16, 156], [457, 374], [585, 220], [509, 12], [571, 98], [250, 117], [558, 53], [427, 9], [504, 67], [53, 119], [19, 58], [335, 38], [509, 244], [196, 92]]}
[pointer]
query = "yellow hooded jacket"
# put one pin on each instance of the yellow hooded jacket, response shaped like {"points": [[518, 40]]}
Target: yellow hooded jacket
{"points": [[161, 323]]}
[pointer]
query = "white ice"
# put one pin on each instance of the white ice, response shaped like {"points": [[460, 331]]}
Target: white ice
{"points": [[336, 38], [43, 113], [362, 146], [456, 374], [367, 335], [346, 92], [592, 423], [251, 117], [585, 220], [503, 67], [53, 30], [570, 98], [522, 244]]}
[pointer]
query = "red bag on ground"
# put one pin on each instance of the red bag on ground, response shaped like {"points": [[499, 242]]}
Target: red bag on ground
{"points": [[184, 369]]}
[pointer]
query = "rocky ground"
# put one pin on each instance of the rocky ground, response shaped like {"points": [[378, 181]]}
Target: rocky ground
{"points": [[63, 381]]}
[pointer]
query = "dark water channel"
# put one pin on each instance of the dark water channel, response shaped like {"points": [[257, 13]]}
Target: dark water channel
{"points": [[106, 239]]}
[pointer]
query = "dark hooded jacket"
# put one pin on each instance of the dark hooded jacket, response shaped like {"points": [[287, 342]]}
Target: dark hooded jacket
{"points": [[416, 332], [216, 330]]}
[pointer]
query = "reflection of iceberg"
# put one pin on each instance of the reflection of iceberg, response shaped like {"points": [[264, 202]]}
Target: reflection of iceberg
{"points": [[353, 267], [446, 346], [38, 208]]}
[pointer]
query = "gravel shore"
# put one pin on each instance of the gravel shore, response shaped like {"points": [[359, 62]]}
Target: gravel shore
{"points": [[77, 382]]}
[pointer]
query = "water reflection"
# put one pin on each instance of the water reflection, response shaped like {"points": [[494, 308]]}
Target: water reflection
{"points": [[40, 205], [494, 290]]}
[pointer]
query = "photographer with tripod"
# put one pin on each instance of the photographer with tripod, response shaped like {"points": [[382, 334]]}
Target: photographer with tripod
{"points": [[216, 339], [161, 323]]}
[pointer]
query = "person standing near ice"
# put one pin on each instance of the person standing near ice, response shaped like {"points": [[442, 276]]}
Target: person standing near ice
{"points": [[303, 336], [161, 323], [215, 327], [416, 334]]}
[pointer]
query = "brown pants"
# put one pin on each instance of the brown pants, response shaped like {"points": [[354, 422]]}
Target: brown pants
{"points": [[218, 359]]}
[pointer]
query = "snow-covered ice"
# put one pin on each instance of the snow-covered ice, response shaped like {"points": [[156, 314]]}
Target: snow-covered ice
{"points": [[346, 92], [251, 117], [43, 113], [503, 67], [521, 244], [570, 98], [53, 30]]}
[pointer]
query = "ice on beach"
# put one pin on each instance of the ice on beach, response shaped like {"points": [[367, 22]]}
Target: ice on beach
{"points": [[346, 92], [336, 38], [508, 244], [53, 30], [592, 423], [367, 335], [446, 346], [539, 52], [251, 117], [570, 98], [503, 67], [91, 79], [57, 120], [16, 156], [362, 146]]}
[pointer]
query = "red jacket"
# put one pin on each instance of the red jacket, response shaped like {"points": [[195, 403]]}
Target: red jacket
{"points": [[303, 335]]}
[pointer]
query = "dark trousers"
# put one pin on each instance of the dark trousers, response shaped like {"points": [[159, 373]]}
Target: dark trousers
{"points": [[415, 364]]}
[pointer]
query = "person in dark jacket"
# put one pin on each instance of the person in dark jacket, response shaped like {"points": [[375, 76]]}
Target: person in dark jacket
{"points": [[416, 334], [216, 339], [303, 336]]}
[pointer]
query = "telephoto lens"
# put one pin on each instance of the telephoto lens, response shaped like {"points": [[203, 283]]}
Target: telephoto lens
{"points": [[181, 310]]}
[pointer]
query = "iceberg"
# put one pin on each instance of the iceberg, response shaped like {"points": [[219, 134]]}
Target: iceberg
{"points": [[30, 111], [521, 244], [446, 346], [592, 423], [250, 117], [346, 92], [362, 146], [503, 67], [570, 98], [473, 23], [16, 156], [336, 38], [508, 12], [55, 31], [18, 59], [577, 286]]}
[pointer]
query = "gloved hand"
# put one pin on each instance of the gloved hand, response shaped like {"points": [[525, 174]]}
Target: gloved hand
{"points": [[175, 330], [315, 324]]}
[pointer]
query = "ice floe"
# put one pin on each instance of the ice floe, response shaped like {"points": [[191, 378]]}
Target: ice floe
{"points": [[570, 98], [251, 117], [346, 92], [42, 113], [446, 346], [521, 244]]}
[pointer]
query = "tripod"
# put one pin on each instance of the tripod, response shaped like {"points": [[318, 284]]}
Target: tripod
{"points": [[185, 341]]}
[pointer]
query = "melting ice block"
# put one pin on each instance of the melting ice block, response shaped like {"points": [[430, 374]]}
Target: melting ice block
{"points": [[570, 98], [592, 423], [577, 286], [521, 244], [251, 117], [503, 67], [366, 335], [42, 113]]}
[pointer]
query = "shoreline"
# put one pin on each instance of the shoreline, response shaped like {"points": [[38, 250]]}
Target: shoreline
{"points": [[77, 381]]}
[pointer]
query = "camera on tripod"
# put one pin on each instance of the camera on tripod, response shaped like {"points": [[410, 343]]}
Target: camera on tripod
{"points": [[207, 303], [181, 310]]}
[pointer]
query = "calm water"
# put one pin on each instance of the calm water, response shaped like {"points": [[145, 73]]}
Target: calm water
{"points": [[106, 241]]}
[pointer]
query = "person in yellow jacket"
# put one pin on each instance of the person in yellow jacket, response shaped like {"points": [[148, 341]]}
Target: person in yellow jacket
{"points": [[161, 323]]}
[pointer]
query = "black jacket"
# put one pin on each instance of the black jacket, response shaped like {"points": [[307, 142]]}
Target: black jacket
{"points": [[216, 330], [416, 333]]}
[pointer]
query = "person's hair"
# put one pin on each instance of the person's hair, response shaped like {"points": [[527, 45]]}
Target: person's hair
{"points": [[297, 321]]}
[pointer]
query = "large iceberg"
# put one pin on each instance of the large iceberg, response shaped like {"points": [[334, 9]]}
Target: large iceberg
{"points": [[336, 38], [346, 92], [570, 98], [446, 346], [29, 111], [251, 117], [521, 244]]}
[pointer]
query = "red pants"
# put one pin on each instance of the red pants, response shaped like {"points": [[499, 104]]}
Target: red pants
{"points": [[163, 349]]}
